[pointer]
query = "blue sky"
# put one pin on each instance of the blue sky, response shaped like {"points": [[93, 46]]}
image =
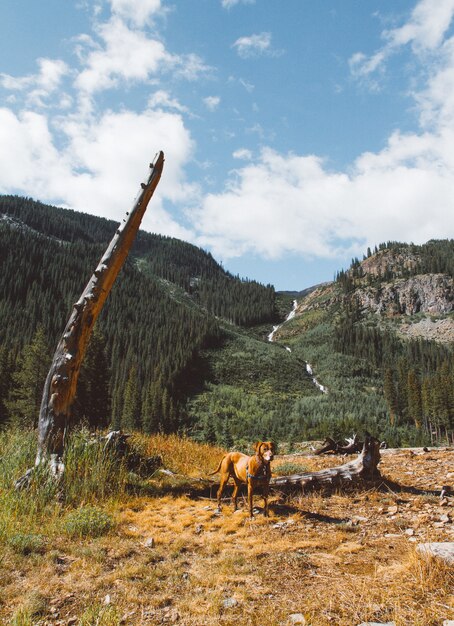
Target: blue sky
{"points": [[296, 133]]}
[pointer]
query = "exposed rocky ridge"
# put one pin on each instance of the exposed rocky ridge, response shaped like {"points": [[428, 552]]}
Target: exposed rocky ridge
{"points": [[424, 293], [387, 261], [382, 286]]}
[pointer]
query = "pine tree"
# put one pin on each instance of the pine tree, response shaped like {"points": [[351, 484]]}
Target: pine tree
{"points": [[93, 393], [414, 398], [131, 406], [151, 408], [390, 394], [29, 381], [5, 383]]}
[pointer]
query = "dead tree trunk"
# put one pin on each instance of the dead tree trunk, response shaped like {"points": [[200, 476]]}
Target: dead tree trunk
{"points": [[364, 467], [61, 382], [329, 445]]}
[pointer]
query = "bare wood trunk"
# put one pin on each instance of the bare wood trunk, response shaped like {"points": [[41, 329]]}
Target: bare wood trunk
{"points": [[61, 382], [363, 467], [329, 445]]}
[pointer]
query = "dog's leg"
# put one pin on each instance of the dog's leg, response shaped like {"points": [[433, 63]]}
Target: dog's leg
{"points": [[235, 492], [222, 484], [265, 500], [250, 495]]}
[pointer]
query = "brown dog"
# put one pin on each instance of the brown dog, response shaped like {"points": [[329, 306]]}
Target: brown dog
{"points": [[254, 470]]}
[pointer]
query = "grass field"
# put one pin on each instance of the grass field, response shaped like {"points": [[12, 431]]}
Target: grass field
{"points": [[161, 554]]}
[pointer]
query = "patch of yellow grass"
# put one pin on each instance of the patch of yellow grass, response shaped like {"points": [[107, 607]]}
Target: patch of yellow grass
{"points": [[181, 455]]}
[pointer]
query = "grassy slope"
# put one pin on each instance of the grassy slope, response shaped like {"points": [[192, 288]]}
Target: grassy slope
{"points": [[339, 559]]}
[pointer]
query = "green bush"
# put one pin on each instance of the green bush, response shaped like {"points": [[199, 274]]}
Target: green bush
{"points": [[285, 469], [24, 544], [88, 521]]}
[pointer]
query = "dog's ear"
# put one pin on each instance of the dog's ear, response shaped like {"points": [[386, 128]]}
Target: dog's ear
{"points": [[257, 446], [273, 446]]}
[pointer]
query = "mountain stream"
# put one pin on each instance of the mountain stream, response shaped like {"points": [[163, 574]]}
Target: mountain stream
{"points": [[309, 370]]}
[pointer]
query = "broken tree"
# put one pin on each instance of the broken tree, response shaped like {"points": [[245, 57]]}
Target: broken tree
{"points": [[61, 382], [364, 467]]}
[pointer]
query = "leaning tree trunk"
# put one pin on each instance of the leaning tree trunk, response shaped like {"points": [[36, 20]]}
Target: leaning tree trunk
{"points": [[61, 382], [363, 467]]}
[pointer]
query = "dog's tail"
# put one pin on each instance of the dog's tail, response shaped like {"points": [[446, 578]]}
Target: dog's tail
{"points": [[216, 471]]}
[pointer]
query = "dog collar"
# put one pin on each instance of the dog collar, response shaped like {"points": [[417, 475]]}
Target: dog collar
{"points": [[262, 471]]}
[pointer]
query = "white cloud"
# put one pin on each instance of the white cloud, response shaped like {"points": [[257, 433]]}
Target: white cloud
{"points": [[228, 4], [253, 46], [126, 54], [243, 154], [290, 204], [38, 86], [212, 102], [428, 24], [102, 165], [139, 12], [161, 99]]}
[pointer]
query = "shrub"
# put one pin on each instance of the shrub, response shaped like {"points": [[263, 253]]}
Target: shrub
{"points": [[100, 615], [285, 469], [88, 521], [27, 543]]}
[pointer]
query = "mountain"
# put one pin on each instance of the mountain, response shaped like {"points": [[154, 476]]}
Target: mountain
{"points": [[380, 337], [171, 302], [182, 345]]}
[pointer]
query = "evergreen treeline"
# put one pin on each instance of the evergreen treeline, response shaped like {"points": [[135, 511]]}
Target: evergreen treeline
{"points": [[140, 366], [434, 257], [417, 375]]}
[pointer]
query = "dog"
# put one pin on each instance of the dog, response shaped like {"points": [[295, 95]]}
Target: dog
{"points": [[254, 470]]}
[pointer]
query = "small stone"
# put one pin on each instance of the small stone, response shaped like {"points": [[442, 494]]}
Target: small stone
{"points": [[229, 603], [392, 510], [410, 532], [198, 529], [442, 550], [107, 599], [446, 519], [448, 622], [297, 618], [377, 624], [149, 543]]}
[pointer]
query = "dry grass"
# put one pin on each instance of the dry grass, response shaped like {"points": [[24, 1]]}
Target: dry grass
{"points": [[182, 456], [340, 559]]}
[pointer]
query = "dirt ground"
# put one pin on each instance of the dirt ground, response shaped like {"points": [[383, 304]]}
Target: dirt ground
{"points": [[339, 558]]}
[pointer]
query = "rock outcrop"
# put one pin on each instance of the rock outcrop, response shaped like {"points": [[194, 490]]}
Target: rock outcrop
{"points": [[424, 293]]}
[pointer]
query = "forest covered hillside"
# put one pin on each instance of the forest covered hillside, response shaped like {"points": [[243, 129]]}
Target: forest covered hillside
{"points": [[182, 345], [381, 336], [171, 301]]}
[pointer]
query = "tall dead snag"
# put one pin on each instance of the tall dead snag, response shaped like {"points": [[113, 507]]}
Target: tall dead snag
{"points": [[363, 467], [61, 382]]}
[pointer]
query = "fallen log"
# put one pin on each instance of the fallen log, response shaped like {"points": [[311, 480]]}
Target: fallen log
{"points": [[329, 445], [61, 382], [353, 446], [364, 467]]}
